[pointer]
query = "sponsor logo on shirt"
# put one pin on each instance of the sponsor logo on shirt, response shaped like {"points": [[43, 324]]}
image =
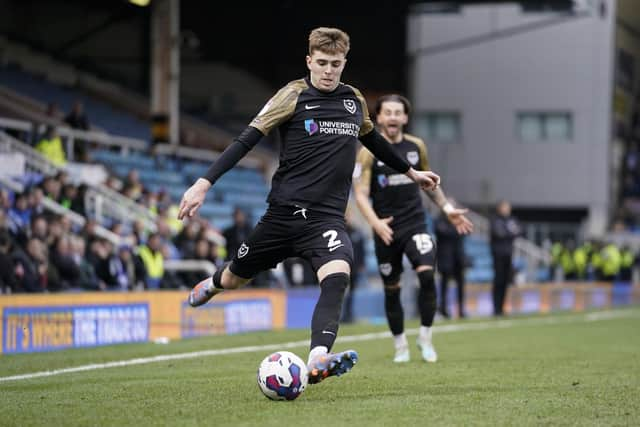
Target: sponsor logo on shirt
{"points": [[393, 180], [310, 126]]}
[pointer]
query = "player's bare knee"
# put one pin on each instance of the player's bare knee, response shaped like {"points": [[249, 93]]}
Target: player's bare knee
{"points": [[421, 268], [332, 267], [392, 287]]}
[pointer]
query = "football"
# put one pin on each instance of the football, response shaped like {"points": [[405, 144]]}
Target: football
{"points": [[282, 376]]}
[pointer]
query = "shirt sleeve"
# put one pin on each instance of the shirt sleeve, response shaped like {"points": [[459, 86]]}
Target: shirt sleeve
{"points": [[422, 151], [367, 123], [234, 152], [362, 170], [278, 109]]}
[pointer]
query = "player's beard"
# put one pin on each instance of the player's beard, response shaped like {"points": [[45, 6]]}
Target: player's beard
{"points": [[392, 132]]}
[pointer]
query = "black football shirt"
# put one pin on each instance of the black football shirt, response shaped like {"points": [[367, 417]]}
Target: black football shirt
{"points": [[391, 193], [318, 134]]}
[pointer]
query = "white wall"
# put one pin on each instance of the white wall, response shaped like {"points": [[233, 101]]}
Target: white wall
{"points": [[562, 67]]}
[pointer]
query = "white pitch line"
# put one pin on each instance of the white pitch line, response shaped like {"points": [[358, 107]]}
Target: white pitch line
{"points": [[591, 317]]}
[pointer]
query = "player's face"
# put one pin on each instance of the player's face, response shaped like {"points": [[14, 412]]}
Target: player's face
{"points": [[325, 69], [392, 119]]}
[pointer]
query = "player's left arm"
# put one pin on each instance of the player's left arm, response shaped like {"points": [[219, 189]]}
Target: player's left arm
{"points": [[455, 215]]}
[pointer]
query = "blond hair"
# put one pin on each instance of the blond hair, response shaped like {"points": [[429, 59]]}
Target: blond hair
{"points": [[329, 41]]}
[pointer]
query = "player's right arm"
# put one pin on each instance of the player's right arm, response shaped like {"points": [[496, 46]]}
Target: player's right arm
{"points": [[279, 108], [361, 189]]}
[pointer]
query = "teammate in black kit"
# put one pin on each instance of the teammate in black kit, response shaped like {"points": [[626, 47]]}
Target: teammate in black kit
{"points": [[398, 218], [319, 120]]}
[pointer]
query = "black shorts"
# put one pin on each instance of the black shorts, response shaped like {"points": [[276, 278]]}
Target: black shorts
{"points": [[288, 231], [416, 243]]}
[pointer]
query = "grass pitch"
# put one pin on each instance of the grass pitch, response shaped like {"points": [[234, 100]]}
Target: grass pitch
{"points": [[572, 369]]}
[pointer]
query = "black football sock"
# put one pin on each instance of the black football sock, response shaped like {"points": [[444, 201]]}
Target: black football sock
{"points": [[217, 277], [393, 309], [326, 315], [427, 297]]}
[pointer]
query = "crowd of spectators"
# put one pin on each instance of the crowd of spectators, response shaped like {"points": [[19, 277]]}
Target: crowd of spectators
{"points": [[41, 251], [593, 260]]}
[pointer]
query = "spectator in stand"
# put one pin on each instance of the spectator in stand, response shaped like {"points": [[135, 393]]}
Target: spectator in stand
{"points": [[139, 232], [19, 215], [200, 252], [5, 200], [36, 196], [628, 260], [63, 178], [611, 262], [185, 241], [52, 188], [56, 226], [4, 226], [88, 233], [237, 233], [132, 187], [164, 231], [69, 194], [39, 228], [77, 119], [8, 279], [77, 204], [51, 147], [151, 255], [62, 260], [132, 268], [31, 266], [87, 278]]}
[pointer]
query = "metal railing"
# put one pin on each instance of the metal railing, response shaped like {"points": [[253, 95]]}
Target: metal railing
{"points": [[73, 136], [76, 219], [100, 200], [534, 255]]}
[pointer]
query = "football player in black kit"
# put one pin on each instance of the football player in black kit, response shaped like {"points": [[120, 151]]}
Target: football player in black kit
{"points": [[398, 219], [319, 120]]}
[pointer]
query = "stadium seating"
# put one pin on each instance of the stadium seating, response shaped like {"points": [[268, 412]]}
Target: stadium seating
{"points": [[99, 113]]}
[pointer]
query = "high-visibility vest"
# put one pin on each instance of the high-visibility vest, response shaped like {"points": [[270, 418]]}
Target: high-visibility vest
{"points": [[556, 251], [580, 259], [53, 150], [153, 262], [566, 262], [611, 260], [627, 259]]}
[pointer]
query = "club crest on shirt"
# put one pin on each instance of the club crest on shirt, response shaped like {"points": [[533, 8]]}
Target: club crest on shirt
{"points": [[412, 157], [385, 269], [350, 105], [383, 181], [243, 250]]}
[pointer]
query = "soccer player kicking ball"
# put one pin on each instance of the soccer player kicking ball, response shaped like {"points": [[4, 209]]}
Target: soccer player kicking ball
{"points": [[319, 120], [397, 217]]}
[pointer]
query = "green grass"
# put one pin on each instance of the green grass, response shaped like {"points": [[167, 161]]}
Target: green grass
{"points": [[573, 372]]}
